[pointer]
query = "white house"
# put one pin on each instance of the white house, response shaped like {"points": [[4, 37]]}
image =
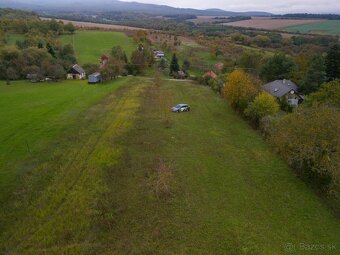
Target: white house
{"points": [[76, 73]]}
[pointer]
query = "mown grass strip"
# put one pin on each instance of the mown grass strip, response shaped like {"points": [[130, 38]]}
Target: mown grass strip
{"points": [[229, 193], [62, 214]]}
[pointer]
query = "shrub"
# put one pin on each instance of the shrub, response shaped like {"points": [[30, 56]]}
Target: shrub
{"points": [[309, 140], [263, 105], [163, 180], [329, 94]]}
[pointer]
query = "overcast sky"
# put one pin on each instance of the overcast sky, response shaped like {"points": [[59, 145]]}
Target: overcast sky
{"points": [[275, 6]]}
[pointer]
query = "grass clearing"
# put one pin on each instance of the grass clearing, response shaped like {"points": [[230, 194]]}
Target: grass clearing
{"points": [[329, 27], [54, 207], [13, 38], [33, 115], [132, 178], [90, 45], [231, 193]]}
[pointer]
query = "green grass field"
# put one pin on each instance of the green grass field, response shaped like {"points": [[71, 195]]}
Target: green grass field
{"points": [[90, 45], [32, 115], [330, 27], [91, 188]]}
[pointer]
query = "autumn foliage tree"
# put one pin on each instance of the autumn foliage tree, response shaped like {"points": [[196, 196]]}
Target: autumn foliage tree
{"points": [[113, 69], [328, 94], [308, 139], [263, 105], [240, 89]]}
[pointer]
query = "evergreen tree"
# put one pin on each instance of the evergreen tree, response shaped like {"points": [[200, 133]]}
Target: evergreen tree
{"points": [[50, 50], [174, 66], [186, 65], [279, 66], [162, 64], [333, 63], [315, 75]]}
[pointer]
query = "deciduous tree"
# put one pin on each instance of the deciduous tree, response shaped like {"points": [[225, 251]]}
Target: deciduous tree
{"points": [[263, 105], [308, 139], [240, 89], [328, 94]]}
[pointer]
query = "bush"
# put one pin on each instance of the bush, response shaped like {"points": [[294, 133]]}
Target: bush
{"points": [[164, 178], [329, 94], [309, 140], [263, 105]]}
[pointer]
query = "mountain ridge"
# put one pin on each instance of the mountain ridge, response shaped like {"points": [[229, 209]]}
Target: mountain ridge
{"points": [[116, 5]]}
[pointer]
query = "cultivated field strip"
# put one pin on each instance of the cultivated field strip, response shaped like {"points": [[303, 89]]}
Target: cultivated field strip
{"points": [[61, 218]]}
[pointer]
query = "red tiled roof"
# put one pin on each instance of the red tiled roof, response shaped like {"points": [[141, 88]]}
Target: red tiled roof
{"points": [[211, 74]]}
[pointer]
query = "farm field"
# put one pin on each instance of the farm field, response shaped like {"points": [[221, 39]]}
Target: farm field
{"points": [[271, 24], [101, 189], [207, 19], [90, 45], [91, 25], [330, 27]]}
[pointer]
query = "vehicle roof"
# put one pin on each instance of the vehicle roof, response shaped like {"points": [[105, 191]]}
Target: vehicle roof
{"points": [[182, 105]]}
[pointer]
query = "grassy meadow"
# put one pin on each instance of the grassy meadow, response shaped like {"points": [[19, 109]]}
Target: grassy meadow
{"points": [[90, 45], [112, 171], [33, 115], [330, 27]]}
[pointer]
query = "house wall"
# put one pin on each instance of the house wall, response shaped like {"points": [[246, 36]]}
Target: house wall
{"points": [[71, 76], [293, 98]]}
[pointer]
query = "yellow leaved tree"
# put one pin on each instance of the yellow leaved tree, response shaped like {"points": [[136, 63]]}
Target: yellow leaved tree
{"points": [[240, 89]]}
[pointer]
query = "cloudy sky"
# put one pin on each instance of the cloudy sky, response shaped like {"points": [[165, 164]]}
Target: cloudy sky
{"points": [[276, 6]]}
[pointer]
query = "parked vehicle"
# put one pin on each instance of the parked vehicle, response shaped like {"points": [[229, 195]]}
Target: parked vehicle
{"points": [[181, 108]]}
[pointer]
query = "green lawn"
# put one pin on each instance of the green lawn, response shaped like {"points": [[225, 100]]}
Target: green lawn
{"points": [[96, 193], [90, 45], [32, 115], [331, 27]]}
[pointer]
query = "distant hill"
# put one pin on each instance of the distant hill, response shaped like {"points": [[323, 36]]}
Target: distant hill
{"points": [[115, 5]]}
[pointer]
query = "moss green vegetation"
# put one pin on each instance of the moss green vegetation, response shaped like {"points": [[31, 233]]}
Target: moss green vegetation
{"points": [[330, 27], [13, 38], [98, 191], [90, 45]]}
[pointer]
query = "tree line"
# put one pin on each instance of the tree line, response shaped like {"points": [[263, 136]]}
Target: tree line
{"points": [[40, 53], [307, 137]]}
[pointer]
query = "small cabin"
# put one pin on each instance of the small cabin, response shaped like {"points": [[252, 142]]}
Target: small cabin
{"points": [[95, 78], [33, 77], [76, 73]]}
